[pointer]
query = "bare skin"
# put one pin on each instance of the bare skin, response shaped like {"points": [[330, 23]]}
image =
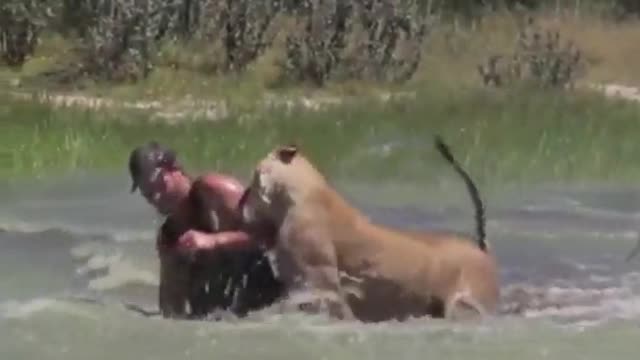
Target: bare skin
{"points": [[203, 245], [360, 269]]}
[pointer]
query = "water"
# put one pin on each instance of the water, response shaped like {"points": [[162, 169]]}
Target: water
{"points": [[74, 250]]}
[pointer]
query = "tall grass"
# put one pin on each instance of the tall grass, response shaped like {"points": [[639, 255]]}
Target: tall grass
{"points": [[520, 137]]}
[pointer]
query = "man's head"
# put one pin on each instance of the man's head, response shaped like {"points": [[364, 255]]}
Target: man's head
{"points": [[155, 171]]}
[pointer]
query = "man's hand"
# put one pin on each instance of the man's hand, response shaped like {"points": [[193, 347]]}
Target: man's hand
{"points": [[193, 241]]}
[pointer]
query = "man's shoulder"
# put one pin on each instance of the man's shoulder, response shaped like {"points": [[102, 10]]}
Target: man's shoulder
{"points": [[217, 195], [218, 181], [216, 186]]}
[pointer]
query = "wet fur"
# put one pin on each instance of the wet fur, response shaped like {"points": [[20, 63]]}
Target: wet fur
{"points": [[360, 269]]}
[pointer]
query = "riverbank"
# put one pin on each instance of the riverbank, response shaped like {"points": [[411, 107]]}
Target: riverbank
{"points": [[510, 135], [519, 136], [178, 90]]}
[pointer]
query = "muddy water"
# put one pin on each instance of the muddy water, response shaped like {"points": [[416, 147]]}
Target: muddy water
{"points": [[74, 250]]}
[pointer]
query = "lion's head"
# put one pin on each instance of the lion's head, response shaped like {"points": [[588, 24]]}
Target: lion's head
{"points": [[279, 180]]}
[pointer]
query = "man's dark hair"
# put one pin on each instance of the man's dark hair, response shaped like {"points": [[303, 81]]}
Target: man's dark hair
{"points": [[144, 159]]}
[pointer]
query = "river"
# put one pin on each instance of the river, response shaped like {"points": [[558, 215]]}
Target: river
{"points": [[73, 251]]}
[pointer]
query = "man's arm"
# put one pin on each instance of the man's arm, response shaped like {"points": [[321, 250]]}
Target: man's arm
{"points": [[194, 240], [173, 289], [218, 194]]}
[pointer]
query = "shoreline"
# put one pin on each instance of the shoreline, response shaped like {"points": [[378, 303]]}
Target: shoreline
{"points": [[174, 111]]}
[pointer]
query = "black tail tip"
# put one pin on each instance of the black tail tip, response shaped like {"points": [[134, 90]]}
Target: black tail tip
{"points": [[443, 148]]}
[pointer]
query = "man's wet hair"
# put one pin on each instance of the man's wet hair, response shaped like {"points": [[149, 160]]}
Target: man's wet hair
{"points": [[146, 158]]}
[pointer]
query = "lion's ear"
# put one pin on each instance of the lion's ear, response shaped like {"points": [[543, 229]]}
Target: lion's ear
{"points": [[287, 153]]}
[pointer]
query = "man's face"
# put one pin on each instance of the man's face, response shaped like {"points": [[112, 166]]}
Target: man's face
{"points": [[159, 190]]}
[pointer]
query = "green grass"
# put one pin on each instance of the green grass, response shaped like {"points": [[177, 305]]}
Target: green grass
{"points": [[521, 137]]}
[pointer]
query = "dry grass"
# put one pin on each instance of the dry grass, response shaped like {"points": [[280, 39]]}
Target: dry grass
{"points": [[450, 61], [611, 49]]}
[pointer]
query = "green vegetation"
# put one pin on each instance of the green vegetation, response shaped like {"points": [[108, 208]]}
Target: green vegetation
{"points": [[525, 136], [202, 48], [521, 132]]}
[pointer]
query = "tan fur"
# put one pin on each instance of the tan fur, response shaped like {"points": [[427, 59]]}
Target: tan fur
{"points": [[362, 269]]}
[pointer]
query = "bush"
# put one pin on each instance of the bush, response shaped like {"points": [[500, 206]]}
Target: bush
{"points": [[119, 39], [539, 59], [372, 39], [627, 8], [21, 22], [379, 40]]}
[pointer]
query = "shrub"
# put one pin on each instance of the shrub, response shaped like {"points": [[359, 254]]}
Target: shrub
{"points": [[21, 22], [539, 58], [370, 39]]}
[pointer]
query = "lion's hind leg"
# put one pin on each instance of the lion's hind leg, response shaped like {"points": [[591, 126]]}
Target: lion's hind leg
{"points": [[462, 306]]}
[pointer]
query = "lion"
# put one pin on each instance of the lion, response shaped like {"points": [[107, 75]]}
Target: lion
{"points": [[360, 270]]}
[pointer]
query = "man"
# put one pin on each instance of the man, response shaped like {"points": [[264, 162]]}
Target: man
{"points": [[208, 259]]}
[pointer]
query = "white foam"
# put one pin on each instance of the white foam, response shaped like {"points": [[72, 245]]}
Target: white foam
{"points": [[115, 234], [573, 305], [24, 309], [120, 270]]}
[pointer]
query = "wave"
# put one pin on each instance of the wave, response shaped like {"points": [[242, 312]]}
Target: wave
{"points": [[83, 305], [565, 306], [87, 232], [570, 304], [602, 297]]}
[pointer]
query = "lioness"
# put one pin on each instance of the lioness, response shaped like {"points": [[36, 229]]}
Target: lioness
{"points": [[360, 269]]}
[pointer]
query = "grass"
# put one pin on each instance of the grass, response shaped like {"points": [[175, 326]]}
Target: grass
{"points": [[451, 56], [611, 49], [521, 137], [179, 73]]}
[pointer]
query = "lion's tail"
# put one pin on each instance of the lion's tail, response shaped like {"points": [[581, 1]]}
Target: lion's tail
{"points": [[444, 150]]}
